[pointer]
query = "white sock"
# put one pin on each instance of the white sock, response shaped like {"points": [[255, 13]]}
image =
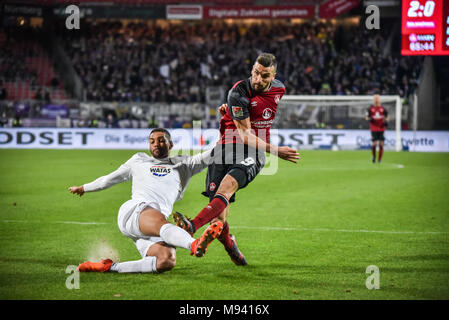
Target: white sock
{"points": [[147, 264], [175, 236]]}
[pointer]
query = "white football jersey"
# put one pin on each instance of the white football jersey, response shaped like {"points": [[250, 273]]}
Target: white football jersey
{"points": [[155, 180]]}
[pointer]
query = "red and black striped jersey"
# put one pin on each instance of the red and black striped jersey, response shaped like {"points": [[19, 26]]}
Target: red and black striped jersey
{"points": [[377, 115], [244, 102]]}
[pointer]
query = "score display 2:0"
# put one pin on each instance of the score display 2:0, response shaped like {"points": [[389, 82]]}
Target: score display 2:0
{"points": [[415, 7]]}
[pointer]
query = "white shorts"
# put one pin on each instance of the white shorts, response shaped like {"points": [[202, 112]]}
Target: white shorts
{"points": [[128, 223]]}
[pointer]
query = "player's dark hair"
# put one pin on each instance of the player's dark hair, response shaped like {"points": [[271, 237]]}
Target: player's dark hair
{"points": [[267, 60], [165, 131]]}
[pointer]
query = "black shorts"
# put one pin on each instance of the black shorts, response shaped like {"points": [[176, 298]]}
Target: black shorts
{"points": [[232, 157], [377, 135]]}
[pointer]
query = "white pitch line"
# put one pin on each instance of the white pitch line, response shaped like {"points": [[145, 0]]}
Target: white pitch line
{"points": [[253, 228], [338, 230], [79, 222]]}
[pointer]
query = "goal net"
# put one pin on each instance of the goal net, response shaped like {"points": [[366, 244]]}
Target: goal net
{"points": [[337, 113]]}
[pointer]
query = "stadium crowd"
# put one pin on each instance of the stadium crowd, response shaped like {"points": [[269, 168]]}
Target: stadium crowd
{"points": [[147, 62], [141, 62], [13, 55]]}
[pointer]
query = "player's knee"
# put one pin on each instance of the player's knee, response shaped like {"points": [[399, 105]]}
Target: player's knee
{"points": [[228, 185], [166, 261]]}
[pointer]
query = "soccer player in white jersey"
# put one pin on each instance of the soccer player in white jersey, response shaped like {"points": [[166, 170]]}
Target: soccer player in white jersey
{"points": [[157, 182]]}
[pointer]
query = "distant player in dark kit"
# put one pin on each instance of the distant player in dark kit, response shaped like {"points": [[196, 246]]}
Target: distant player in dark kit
{"points": [[377, 116], [240, 153]]}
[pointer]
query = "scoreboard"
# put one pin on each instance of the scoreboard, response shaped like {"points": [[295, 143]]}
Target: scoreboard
{"points": [[425, 27]]}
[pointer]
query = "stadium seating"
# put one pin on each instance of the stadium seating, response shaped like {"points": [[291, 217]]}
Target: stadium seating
{"points": [[25, 67]]}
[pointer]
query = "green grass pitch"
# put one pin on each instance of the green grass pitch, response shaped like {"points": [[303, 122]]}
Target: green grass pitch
{"points": [[308, 232]]}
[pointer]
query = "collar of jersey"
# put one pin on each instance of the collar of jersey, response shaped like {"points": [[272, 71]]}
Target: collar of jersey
{"points": [[166, 160]]}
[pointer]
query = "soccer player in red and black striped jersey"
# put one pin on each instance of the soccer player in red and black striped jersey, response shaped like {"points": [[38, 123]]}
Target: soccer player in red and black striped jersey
{"points": [[240, 154], [377, 115]]}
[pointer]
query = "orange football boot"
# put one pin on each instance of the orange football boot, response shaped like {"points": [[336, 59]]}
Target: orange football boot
{"points": [[199, 246], [102, 266]]}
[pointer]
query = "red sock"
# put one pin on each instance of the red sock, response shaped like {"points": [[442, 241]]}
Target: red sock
{"points": [[381, 152], [224, 237], [373, 150], [211, 211]]}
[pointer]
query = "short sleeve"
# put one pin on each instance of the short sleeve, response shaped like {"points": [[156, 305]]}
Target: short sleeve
{"points": [[238, 104]]}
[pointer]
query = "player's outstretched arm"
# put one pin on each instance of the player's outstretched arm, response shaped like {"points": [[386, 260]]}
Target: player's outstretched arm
{"points": [[123, 173], [77, 190], [285, 153]]}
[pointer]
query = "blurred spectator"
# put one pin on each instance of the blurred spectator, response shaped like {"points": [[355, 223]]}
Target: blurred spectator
{"points": [[17, 122], [111, 121], [3, 119], [54, 83], [3, 93], [38, 95], [152, 123], [93, 123], [47, 97]]}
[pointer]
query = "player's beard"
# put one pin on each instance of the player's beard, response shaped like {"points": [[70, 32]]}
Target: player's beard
{"points": [[159, 153], [259, 87]]}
